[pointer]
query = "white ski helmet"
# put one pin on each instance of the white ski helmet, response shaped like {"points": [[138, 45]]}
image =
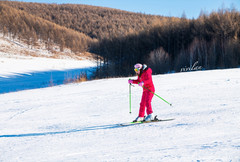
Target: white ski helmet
{"points": [[137, 67]]}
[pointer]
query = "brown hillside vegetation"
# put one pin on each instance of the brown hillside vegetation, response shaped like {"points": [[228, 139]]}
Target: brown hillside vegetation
{"points": [[96, 22], [30, 29]]}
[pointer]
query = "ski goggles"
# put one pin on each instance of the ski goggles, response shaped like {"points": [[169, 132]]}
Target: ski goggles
{"points": [[136, 69]]}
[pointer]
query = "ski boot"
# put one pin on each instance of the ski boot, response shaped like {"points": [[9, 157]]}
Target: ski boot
{"points": [[139, 119], [149, 118]]}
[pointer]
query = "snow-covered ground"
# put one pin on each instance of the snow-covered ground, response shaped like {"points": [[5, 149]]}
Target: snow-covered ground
{"points": [[27, 72], [26, 67], [15, 64], [78, 122]]}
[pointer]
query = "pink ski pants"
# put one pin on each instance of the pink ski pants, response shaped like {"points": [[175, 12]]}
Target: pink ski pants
{"points": [[146, 103]]}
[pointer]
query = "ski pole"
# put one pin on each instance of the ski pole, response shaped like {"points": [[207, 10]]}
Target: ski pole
{"points": [[157, 95], [130, 96]]}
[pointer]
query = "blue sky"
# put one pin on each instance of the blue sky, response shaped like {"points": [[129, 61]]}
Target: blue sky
{"points": [[191, 8]]}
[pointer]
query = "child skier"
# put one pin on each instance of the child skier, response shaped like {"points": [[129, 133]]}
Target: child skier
{"points": [[144, 80]]}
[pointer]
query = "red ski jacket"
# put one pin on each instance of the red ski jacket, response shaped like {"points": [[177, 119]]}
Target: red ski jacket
{"points": [[146, 78]]}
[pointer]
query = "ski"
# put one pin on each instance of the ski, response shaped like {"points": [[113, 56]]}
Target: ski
{"points": [[142, 122]]}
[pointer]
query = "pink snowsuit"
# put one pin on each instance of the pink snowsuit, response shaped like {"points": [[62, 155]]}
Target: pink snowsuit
{"points": [[147, 96]]}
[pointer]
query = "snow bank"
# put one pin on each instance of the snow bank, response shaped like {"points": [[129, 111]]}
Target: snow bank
{"points": [[26, 72], [15, 64], [77, 122]]}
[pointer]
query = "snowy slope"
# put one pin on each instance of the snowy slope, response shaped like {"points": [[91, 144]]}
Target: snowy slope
{"points": [[77, 122], [15, 64], [27, 72]]}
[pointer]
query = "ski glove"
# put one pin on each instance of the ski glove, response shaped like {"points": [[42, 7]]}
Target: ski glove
{"points": [[130, 81], [140, 84]]}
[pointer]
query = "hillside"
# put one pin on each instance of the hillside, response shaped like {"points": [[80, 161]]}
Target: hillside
{"points": [[120, 39], [96, 22], [79, 122], [212, 40], [59, 28], [35, 31], [15, 48]]}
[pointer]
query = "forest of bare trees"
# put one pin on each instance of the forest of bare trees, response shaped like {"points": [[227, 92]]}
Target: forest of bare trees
{"points": [[122, 38], [211, 40], [96, 22], [25, 27]]}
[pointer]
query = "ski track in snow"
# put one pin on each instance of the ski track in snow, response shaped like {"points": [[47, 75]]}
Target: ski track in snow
{"points": [[79, 122]]}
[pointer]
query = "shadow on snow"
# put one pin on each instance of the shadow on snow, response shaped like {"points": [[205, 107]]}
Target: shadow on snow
{"points": [[102, 127], [42, 79]]}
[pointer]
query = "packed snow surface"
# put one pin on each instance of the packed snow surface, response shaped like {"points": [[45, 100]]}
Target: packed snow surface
{"points": [[79, 122]]}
